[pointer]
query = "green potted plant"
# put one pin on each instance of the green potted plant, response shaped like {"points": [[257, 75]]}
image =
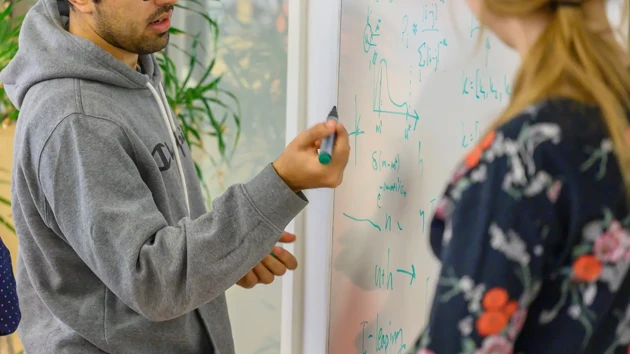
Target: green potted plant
{"points": [[203, 107]]}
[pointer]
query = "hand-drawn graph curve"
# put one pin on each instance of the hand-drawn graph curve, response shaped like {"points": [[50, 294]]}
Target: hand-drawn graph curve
{"points": [[391, 107]]}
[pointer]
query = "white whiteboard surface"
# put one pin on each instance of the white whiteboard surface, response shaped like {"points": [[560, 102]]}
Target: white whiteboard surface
{"points": [[415, 92], [415, 95]]}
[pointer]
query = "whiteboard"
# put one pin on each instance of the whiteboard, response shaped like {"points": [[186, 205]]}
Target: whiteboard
{"points": [[414, 92], [417, 87]]}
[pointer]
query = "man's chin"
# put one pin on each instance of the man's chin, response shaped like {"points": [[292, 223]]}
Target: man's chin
{"points": [[163, 39], [159, 45]]}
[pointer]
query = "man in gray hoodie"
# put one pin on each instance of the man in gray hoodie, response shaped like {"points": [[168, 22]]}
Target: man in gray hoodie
{"points": [[118, 253]]}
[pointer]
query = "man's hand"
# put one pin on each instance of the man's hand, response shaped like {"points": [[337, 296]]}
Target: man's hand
{"points": [[270, 267], [299, 165]]}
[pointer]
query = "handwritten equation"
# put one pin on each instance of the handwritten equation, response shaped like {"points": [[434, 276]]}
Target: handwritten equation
{"points": [[385, 338]]}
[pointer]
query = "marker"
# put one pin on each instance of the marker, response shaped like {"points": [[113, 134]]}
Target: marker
{"points": [[326, 149]]}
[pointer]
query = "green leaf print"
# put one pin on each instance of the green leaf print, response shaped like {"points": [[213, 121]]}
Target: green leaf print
{"points": [[601, 155], [468, 346], [581, 249]]}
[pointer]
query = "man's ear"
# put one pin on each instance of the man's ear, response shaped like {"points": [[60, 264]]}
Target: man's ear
{"points": [[83, 6]]}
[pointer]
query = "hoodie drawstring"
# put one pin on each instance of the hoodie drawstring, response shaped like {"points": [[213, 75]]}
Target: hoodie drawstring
{"points": [[170, 123]]}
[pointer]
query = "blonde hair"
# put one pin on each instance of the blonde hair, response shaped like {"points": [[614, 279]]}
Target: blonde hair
{"points": [[571, 60]]}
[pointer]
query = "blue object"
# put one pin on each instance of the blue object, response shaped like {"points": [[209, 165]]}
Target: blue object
{"points": [[9, 307], [326, 149]]}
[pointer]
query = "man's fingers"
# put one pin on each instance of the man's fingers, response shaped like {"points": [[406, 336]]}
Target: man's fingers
{"points": [[342, 135], [342, 144], [341, 153], [287, 237], [248, 281], [274, 265], [285, 257], [318, 132], [264, 275]]}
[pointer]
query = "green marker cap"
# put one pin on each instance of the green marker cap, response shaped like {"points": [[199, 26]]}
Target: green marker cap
{"points": [[324, 158]]}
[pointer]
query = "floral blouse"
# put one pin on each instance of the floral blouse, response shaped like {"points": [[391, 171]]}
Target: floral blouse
{"points": [[533, 233]]}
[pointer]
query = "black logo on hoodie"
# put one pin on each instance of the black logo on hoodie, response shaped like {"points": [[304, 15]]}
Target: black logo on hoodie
{"points": [[164, 154]]}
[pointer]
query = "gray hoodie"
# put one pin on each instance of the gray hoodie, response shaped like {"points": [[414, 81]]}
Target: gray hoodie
{"points": [[117, 251]]}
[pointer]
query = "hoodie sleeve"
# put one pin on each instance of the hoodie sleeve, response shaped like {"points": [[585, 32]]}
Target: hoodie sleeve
{"points": [[101, 205]]}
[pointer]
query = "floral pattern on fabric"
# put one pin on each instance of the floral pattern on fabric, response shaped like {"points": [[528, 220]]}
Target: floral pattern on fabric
{"points": [[534, 242]]}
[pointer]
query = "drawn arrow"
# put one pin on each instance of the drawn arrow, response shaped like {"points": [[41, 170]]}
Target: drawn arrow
{"points": [[412, 273]]}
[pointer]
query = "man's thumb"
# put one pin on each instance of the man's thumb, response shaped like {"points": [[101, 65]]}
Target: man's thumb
{"points": [[317, 132], [287, 237]]}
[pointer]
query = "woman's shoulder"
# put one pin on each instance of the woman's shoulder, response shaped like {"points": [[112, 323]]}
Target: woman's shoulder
{"points": [[564, 137], [574, 121], [550, 146]]}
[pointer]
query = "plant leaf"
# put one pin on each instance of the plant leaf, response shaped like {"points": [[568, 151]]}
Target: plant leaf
{"points": [[5, 201], [7, 224], [177, 32], [192, 62]]}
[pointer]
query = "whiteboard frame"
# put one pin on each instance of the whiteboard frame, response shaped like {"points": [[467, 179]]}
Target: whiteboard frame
{"points": [[322, 37], [311, 92], [291, 322]]}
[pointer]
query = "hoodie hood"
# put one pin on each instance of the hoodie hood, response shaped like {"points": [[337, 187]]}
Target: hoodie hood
{"points": [[47, 51]]}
